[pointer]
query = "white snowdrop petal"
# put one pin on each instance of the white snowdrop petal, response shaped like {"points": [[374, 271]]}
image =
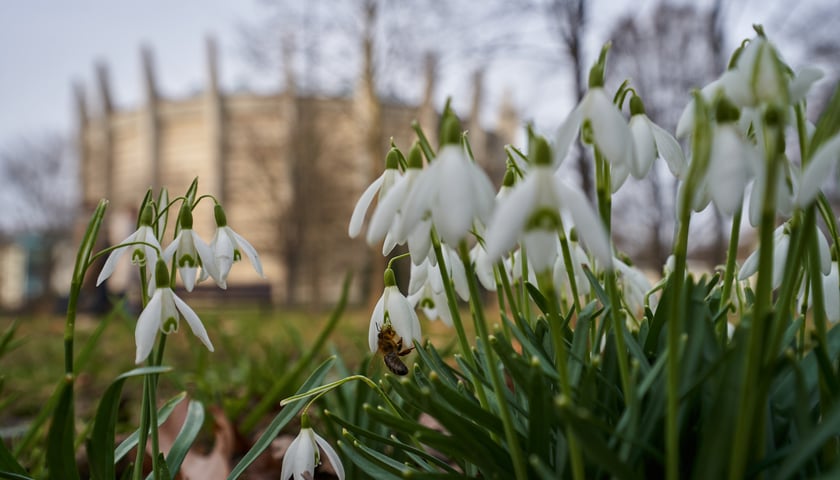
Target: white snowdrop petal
{"points": [[802, 82], [332, 456], [193, 321], [612, 135], [147, 327], [669, 149], [541, 248], [644, 144], [509, 219], [362, 205], [818, 170], [386, 211], [376, 319], [587, 222], [566, 135], [249, 251]]}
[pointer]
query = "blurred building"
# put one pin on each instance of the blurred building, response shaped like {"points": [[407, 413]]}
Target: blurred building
{"points": [[287, 168]]}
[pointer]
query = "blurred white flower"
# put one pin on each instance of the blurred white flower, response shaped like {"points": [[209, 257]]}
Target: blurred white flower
{"points": [[531, 213], [635, 286], [733, 163], [303, 455], [381, 186], [610, 132], [817, 170], [454, 191], [781, 243], [650, 140]]}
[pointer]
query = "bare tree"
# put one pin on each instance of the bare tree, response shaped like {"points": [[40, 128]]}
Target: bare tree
{"points": [[39, 196], [39, 176], [664, 55]]}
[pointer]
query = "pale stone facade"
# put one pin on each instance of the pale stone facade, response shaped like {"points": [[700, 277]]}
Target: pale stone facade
{"points": [[288, 170]]}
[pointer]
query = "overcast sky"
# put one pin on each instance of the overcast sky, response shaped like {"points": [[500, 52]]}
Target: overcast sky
{"points": [[47, 45]]}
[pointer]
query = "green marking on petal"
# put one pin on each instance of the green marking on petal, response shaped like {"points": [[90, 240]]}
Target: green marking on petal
{"points": [[170, 325], [427, 303], [138, 257], [544, 218], [587, 135], [237, 255], [187, 260]]}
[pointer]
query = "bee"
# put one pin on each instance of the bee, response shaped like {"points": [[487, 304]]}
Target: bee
{"points": [[391, 347]]}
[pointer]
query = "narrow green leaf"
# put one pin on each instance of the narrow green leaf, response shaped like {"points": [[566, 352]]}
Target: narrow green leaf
{"points": [[6, 344], [286, 414], [373, 469], [183, 442], [61, 456], [101, 444], [812, 444], [538, 297], [8, 464], [423, 455], [387, 463], [593, 445], [13, 476], [163, 414]]}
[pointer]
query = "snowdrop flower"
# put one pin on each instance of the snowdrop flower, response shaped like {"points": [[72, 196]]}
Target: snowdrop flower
{"points": [[141, 254], [831, 292], [649, 141], [781, 243], [381, 186], [759, 76], [531, 213], [561, 275], [483, 269], [432, 302], [601, 122], [190, 251], [733, 162], [162, 313], [303, 454], [426, 288], [394, 309], [227, 247], [635, 286], [817, 170], [453, 190], [387, 220]]}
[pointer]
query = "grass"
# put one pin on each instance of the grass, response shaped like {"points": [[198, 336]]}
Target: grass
{"points": [[253, 347]]}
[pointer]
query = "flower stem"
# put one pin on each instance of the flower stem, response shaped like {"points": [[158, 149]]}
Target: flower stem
{"points": [[452, 303], [672, 439], [753, 386], [556, 326], [729, 270], [318, 392], [516, 454]]}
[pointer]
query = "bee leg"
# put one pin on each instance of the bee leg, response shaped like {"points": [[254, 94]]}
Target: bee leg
{"points": [[405, 352]]}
